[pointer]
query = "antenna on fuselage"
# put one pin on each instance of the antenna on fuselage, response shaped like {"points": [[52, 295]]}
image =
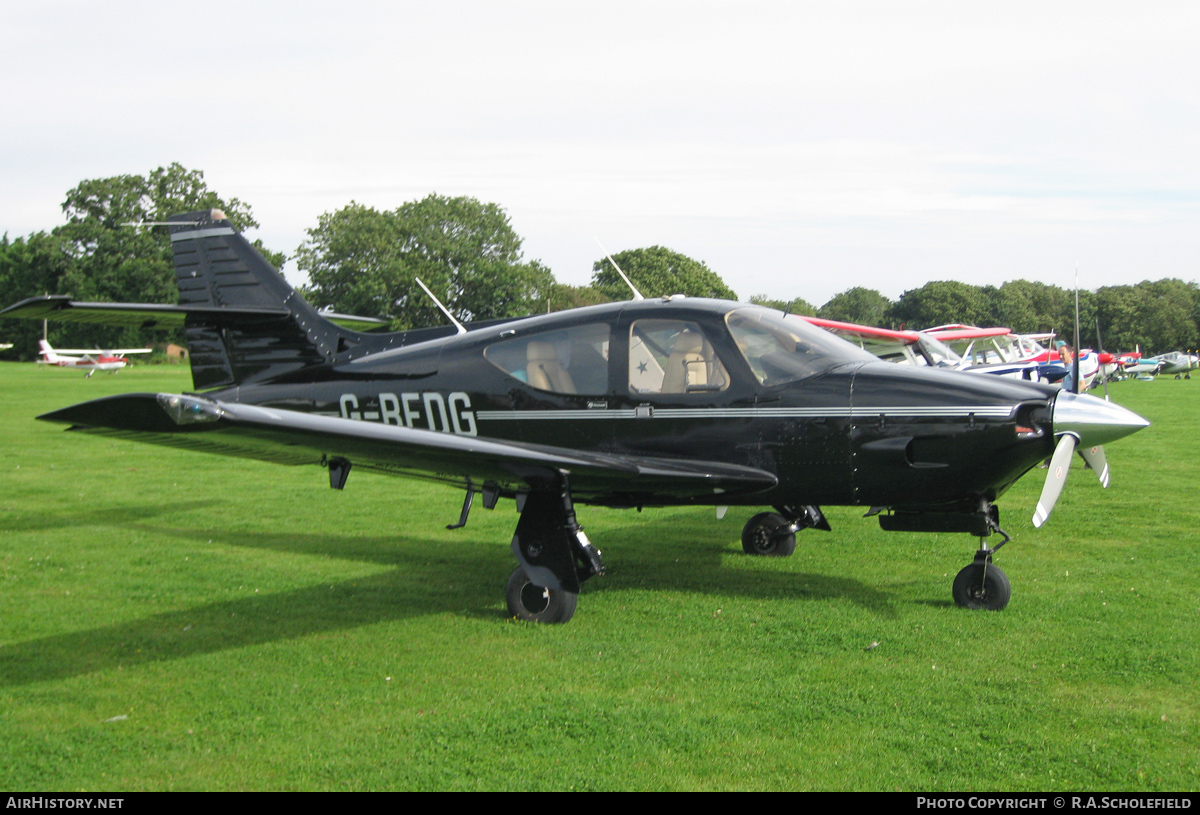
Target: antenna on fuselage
{"points": [[445, 310], [637, 295]]}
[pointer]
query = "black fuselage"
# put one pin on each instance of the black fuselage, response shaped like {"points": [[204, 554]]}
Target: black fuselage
{"points": [[852, 431]]}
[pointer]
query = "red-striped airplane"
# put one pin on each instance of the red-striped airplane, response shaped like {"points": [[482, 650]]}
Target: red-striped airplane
{"points": [[91, 360]]}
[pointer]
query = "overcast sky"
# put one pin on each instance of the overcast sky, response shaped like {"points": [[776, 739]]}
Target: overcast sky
{"points": [[797, 148]]}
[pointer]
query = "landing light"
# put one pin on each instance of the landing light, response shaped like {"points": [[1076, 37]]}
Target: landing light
{"points": [[185, 410]]}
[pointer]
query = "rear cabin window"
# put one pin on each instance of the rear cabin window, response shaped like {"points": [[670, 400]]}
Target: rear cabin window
{"points": [[571, 361], [673, 356]]}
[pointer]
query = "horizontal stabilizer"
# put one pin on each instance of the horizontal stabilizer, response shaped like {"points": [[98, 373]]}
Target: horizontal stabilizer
{"points": [[138, 315], [155, 315]]}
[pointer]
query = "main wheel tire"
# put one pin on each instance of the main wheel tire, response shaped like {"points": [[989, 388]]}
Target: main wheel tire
{"points": [[537, 604], [758, 536], [975, 589]]}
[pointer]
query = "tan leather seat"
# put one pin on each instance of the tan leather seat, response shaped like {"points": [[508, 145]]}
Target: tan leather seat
{"points": [[544, 371], [687, 364]]}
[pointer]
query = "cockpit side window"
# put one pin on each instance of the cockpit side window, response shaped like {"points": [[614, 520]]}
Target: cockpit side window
{"points": [[570, 360], [673, 356]]}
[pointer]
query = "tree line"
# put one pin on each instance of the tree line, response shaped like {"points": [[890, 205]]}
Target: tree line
{"points": [[1159, 316], [362, 260]]}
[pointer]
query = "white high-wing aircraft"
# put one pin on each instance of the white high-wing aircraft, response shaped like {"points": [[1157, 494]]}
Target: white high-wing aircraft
{"points": [[1176, 362], [90, 360], [923, 348], [1015, 348]]}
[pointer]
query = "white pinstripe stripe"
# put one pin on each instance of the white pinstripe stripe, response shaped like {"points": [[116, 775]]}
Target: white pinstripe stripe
{"points": [[201, 233], [982, 411]]}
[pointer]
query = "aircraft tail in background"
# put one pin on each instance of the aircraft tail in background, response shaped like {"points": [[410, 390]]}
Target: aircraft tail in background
{"points": [[48, 357]]}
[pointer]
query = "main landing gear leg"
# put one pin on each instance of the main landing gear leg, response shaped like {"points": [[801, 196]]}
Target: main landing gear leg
{"points": [[981, 584], [773, 534], [555, 555]]}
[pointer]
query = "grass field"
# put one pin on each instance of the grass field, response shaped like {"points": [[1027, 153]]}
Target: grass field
{"points": [[176, 621]]}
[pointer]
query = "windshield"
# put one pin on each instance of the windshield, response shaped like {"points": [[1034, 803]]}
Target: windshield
{"points": [[783, 349], [937, 352]]}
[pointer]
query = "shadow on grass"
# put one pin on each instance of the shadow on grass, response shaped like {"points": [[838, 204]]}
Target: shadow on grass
{"points": [[432, 577], [39, 520], [690, 559], [429, 587], [693, 558]]}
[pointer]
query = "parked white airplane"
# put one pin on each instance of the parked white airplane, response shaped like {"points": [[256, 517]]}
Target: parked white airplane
{"points": [[1176, 362], [91, 360], [922, 348]]}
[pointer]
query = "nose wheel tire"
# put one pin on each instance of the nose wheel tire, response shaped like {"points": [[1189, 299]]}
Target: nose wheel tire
{"points": [[537, 604], [759, 538], [982, 586]]}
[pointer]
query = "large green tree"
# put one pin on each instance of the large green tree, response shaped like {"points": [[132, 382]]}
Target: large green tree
{"points": [[943, 301], [858, 305], [657, 271], [1119, 319], [563, 296], [100, 253], [1160, 316], [29, 267], [112, 259], [1030, 306], [365, 261], [102, 215], [797, 305]]}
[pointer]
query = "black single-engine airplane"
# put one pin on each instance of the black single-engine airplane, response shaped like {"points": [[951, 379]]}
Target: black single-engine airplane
{"points": [[671, 401]]}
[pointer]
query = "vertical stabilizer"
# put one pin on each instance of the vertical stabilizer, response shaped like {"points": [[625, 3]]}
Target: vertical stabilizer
{"points": [[216, 267], [48, 355]]}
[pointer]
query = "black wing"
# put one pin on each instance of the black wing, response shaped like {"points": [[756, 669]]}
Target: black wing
{"points": [[292, 437]]}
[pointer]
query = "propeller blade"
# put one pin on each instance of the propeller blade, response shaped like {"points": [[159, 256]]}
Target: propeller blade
{"points": [[1076, 385], [1095, 458], [1100, 348], [1060, 464]]}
